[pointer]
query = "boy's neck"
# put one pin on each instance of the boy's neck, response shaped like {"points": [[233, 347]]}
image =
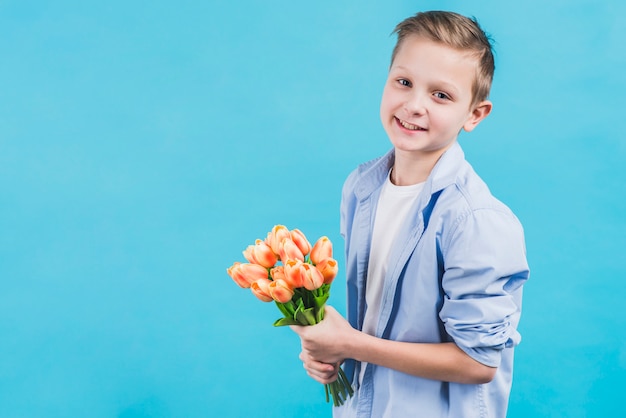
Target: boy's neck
{"points": [[409, 168]]}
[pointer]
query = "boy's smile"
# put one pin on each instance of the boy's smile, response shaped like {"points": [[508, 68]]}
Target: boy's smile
{"points": [[427, 99], [409, 126]]}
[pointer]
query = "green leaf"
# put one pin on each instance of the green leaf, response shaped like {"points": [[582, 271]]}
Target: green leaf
{"points": [[321, 300], [310, 315], [287, 309], [301, 318], [285, 321], [319, 314]]}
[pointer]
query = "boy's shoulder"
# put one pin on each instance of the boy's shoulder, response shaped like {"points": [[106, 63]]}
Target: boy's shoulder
{"points": [[469, 201], [459, 188], [386, 161], [368, 175], [475, 192]]}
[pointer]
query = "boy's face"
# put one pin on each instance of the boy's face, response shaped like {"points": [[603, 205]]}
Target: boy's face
{"points": [[427, 99]]}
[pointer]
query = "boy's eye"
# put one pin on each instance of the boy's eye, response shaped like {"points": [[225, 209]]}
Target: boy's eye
{"points": [[441, 95], [404, 82]]}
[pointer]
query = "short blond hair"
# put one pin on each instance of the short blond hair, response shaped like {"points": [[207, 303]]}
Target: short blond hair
{"points": [[456, 31]]}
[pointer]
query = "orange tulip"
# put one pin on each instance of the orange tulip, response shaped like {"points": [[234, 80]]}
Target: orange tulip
{"points": [[280, 291], [329, 269], [261, 290], [245, 273], [277, 272], [260, 253], [300, 240], [276, 236], [312, 277], [292, 270], [288, 250], [322, 249]]}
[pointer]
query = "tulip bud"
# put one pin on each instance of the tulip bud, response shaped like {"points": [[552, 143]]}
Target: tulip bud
{"points": [[288, 250], [280, 291], [245, 273], [300, 240], [276, 236], [277, 272], [260, 253], [293, 274], [329, 269], [248, 253], [322, 249], [312, 277], [261, 290]]}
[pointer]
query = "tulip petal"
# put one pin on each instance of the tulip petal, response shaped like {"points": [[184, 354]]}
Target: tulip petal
{"points": [[280, 291], [288, 250], [276, 236], [260, 289], [329, 269], [312, 277], [322, 249], [300, 240]]}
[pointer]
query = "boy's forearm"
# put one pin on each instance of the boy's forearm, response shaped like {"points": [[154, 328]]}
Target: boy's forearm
{"points": [[437, 361]]}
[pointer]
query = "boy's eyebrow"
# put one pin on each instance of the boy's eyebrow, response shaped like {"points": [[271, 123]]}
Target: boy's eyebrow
{"points": [[449, 87], [399, 67]]}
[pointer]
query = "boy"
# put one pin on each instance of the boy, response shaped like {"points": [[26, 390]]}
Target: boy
{"points": [[434, 263]]}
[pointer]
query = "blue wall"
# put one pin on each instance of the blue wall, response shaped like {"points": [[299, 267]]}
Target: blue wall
{"points": [[143, 145]]}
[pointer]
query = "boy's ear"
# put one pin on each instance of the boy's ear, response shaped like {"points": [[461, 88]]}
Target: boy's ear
{"points": [[480, 112]]}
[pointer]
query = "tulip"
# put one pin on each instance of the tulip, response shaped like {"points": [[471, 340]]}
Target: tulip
{"points": [[288, 250], [276, 236], [280, 291], [322, 250], [277, 272], [293, 273], [261, 290], [300, 240], [312, 277], [244, 274], [260, 253], [329, 269]]}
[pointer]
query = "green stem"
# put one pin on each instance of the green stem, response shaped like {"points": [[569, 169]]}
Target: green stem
{"points": [[319, 314], [326, 391], [287, 309]]}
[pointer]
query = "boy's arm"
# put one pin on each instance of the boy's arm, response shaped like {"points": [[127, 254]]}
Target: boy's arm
{"points": [[331, 341]]}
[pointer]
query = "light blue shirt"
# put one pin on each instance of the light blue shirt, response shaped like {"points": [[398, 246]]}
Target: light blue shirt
{"points": [[455, 273]]}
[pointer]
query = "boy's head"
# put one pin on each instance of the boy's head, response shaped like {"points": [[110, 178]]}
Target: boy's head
{"points": [[458, 32]]}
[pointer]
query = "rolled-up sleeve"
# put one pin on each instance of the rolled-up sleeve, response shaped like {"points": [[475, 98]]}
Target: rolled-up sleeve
{"points": [[484, 268]]}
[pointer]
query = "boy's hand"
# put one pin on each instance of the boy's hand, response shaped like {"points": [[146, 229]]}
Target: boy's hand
{"points": [[327, 341], [323, 345], [322, 372]]}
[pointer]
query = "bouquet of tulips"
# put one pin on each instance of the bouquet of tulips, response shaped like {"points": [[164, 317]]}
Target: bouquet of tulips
{"points": [[286, 269]]}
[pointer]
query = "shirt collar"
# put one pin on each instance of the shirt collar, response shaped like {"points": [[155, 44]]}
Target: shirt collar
{"points": [[373, 173]]}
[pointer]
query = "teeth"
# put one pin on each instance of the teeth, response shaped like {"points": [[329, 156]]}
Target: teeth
{"points": [[408, 125]]}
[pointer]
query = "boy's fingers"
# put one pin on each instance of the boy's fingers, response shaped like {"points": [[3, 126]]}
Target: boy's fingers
{"points": [[322, 377], [310, 363]]}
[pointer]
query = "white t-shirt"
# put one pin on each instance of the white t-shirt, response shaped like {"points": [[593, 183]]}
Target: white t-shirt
{"points": [[394, 204]]}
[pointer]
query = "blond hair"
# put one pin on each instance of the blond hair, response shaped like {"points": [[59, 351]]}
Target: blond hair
{"points": [[455, 31]]}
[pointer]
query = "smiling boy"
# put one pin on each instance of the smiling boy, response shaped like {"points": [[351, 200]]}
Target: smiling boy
{"points": [[434, 263]]}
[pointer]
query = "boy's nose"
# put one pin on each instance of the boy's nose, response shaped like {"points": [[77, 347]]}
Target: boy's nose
{"points": [[415, 104]]}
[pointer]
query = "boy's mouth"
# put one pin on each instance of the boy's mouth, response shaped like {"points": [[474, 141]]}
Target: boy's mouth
{"points": [[409, 126]]}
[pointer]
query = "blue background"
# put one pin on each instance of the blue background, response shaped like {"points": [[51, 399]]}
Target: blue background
{"points": [[144, 144]]}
